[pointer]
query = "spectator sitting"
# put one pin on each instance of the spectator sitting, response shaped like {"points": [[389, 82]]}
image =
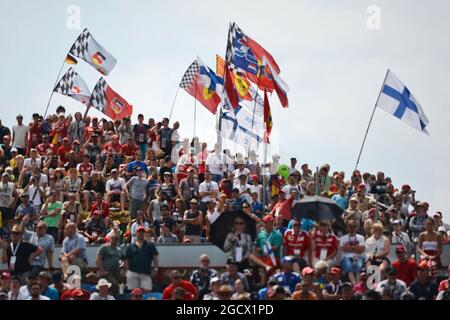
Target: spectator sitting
{"points": [[191, 291]]}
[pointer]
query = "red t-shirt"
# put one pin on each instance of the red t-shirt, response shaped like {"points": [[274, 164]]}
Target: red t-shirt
{"points": [[82, 168], [42, 149], [296, 244], [104, 208], [63, 153], [130, 151], [444, 285], [34, 136], [113, 148], [406, 271], [327, 242], [191, 290]]}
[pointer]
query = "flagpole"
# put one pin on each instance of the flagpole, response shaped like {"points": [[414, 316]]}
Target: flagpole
{"points": [[195, 106], [254, 108], [173, 103], [370, 121], [53, 89]]}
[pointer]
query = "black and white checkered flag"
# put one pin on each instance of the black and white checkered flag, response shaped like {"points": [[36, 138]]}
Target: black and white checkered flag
{"points": [[189, 75], [80, 47], [64, 86], [98, 97]]}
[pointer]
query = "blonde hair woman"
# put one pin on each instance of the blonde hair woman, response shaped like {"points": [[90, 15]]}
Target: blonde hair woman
{"points": [[377, 248]]}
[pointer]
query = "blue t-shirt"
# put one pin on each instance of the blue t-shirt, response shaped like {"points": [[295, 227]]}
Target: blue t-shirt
{"points": [[137, 164], [287, 279], [257, 206], [51, 293], [341, 201]]}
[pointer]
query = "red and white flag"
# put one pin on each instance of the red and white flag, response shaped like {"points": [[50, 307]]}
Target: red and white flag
{"points": [[109, 102]]}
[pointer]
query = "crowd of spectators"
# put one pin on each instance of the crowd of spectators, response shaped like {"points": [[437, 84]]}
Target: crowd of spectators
{"points": [[78, 181]]}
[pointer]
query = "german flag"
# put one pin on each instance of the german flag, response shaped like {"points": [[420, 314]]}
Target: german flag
{"points": [[267, 118], [70, 59]]}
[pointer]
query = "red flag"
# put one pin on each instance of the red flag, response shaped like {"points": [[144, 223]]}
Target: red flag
{"points": [[106, 100], [230, 89], [267, 118], [283, 209], [281, 87]]}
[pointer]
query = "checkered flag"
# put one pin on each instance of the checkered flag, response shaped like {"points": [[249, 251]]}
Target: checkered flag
{"points": [[88, 49], [80, 47], [65, 84], [234, 29], [98, 97], [190, 75], [72, 85]]}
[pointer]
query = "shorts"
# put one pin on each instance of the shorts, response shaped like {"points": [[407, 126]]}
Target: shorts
{"points": [[136, 205], [379, 261], [139, 280], [7, 214], [348, 264]]}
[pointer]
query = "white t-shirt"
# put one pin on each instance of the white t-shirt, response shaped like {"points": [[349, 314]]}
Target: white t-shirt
{"points": [[96, 296], [242, 188], [186, 159], [288, 189], [357, 239], [35, 199], [208, 187], [256, 189], [118, 184], [6, 192], [20, 134], [238, 172], [41, 297], [215, 163], [30, 164]]}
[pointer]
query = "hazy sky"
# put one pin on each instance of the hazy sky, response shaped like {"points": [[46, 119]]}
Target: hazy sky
{"points": [[333, 63]]}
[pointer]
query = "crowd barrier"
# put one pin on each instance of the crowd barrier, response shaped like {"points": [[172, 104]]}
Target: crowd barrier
{"points": [[187, 255]]}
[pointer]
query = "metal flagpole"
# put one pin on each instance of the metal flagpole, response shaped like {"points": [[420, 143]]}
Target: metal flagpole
{"points": [[370, 121], [53, 89], [195, 106], [254, 108], [173, 103]]}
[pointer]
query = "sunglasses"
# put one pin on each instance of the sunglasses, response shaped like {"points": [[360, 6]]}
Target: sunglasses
{"points": [[245, 207], [296, 225], [239, 222]]}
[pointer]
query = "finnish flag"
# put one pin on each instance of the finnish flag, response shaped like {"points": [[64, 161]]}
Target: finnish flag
{"points": [[396, 99]]}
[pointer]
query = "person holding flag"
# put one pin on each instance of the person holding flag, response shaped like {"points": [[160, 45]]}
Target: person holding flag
{"points": [[269, 244]]}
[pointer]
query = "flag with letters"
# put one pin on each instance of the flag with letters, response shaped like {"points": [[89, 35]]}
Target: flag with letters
{"points": [[88, 49], [246, 55], [109, 102], [72, 85], [396, 99]]}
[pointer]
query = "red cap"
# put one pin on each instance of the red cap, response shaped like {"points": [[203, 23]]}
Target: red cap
{"points": [[254, 177], [400, 249], [6, 275], [372, 212], [335, 270], [362, 185], [140, 228], [137, 292], [423, 265], [307, 271], [406, 186], [77, 293], [268, 218]]}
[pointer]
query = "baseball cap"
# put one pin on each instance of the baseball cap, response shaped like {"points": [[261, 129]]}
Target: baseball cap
{"points": [[307, 271], [231, 261], [193, 200], [5, 174], [335, 270], [137, 292], [397, 221], [114, 171], [213, 280], [423, 265], [140, 228], [442, 229], [167, 173], [288, 259], [268, 218], [14, 150], [391, 271], [6, 275], [16, 228]]}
